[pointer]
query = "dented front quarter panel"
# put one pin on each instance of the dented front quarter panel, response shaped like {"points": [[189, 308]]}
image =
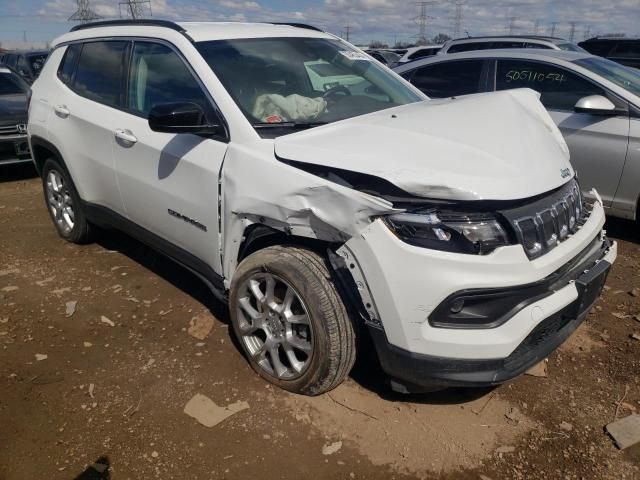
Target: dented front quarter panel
{"points": [[259, 189]]}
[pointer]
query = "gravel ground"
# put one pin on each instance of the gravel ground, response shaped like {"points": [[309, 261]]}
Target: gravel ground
{"points": [[98, 360]]}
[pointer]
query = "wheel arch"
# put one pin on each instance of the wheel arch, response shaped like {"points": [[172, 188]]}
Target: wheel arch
{"points": [[42, 150]]}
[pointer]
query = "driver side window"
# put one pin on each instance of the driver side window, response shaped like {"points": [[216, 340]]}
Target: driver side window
{"points": [[158, 75], [560, 89]]}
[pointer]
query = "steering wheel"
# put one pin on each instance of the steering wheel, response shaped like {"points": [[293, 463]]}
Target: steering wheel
{"points": [[337, 90]]}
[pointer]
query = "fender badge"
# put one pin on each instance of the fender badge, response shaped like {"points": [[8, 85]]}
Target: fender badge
{"points": [[565, 172]]}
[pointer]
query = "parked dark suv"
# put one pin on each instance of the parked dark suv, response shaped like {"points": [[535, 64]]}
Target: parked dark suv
{"points": [[622, 50], [14, 147], [26, 64]]}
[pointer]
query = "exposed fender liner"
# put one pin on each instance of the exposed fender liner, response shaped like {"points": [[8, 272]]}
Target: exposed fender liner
{"points": [[352, 290], [103, 216], [37, 141]]}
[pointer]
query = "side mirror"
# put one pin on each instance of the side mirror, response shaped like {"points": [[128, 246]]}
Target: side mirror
{"points": [[182, 117], [595, 105]]}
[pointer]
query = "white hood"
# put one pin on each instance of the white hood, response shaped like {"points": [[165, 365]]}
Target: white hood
{"points": [[493, 146]]}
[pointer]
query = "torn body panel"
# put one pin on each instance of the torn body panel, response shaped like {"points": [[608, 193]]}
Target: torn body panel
{"points": [[258, 189]]}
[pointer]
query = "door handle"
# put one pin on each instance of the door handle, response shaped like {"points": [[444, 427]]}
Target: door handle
{"points": [[62, 111], [125, 137]]}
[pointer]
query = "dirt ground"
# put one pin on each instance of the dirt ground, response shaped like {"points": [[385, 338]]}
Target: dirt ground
{"points": [[76, 391]]}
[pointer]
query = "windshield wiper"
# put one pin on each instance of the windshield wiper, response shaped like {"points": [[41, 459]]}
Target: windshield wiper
{"points": [[294, 125]]}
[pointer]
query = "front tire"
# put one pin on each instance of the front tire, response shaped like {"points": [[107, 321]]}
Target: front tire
{"points": [[64, 204], [290, 320]]}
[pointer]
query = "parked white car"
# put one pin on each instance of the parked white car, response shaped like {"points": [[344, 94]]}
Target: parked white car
{"points": [[471, 44], [595, 102], [463, 262], [416, 53]]}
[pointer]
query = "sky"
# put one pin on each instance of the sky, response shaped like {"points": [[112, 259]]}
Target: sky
{"points": [[40, 21]]}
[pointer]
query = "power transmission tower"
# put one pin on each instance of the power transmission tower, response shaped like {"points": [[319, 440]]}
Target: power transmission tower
{"points": [[587, 32], [512, 25], [84, 13], [457, 20], [572, 32], [553, 28], [536, 27], [421, 20], [135, 8]]}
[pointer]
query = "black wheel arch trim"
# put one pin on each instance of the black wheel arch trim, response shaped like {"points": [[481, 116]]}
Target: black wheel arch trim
{"points": [[37, 141]]}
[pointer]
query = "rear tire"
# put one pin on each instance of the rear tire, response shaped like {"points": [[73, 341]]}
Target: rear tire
{"points": [[290, 320], [64, 204]]}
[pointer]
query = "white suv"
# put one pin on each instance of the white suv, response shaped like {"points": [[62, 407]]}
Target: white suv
{"points": [[452, 232]]}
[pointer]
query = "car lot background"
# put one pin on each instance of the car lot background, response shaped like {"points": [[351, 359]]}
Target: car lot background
{"points": [[116, 394]]}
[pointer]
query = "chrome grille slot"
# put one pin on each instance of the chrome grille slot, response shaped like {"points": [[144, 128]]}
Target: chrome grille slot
{"points": [[543, 224]]}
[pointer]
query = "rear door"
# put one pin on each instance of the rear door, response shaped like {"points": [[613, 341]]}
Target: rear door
{"points": [[450, 79], [598, 144], [83, 99], [169, 182]]}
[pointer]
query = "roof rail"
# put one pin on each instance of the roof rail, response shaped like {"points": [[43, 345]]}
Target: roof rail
{"points": [[116, 23], [299, 25]]}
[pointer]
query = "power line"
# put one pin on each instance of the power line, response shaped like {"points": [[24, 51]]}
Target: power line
{"points": [[135, 8], [84, 13]]}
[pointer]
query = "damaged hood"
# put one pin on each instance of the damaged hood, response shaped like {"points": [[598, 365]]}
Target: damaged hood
{"points": [[493, 146]]}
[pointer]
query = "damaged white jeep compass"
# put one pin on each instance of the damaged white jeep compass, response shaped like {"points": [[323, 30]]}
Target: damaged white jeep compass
{"points": [[324, 198]]}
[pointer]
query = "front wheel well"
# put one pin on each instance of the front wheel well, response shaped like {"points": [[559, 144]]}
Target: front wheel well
{"points": [[258, 237]]}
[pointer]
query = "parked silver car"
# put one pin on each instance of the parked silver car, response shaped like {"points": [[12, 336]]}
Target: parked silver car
{"points": [[595, 102]]}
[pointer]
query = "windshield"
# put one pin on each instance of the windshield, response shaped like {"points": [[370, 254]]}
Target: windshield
{"points": [[570, 47], [11, 84], [624, 77], [294, 82]]}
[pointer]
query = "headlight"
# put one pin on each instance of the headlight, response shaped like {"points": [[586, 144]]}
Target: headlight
{"points": [[450, 231]]}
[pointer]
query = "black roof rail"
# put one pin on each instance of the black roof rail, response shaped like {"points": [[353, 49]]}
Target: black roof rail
{"points": [[117, 23], [299, 25]]}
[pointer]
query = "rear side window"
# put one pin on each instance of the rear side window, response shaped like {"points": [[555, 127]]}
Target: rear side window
{"points": [[560, 89], [425, 52], [158, 75], [68, 64], [100, 72], [468, 47], [537, 45], [627, 50], [600, 48], [449, 79]]}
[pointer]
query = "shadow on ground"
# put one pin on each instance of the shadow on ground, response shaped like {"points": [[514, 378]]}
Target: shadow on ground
{"points": [[99, 470], [627, 230], [21, 171]]}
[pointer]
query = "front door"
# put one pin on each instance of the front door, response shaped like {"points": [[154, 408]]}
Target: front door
{"points": [[598, 144], [169, 182]]}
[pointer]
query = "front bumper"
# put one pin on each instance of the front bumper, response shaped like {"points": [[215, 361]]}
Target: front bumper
{"points": [[14, 149], [401, 286], [424, 370]]}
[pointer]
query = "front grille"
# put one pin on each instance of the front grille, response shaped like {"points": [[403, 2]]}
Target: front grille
{"points": [[545, 223], [12, 130]]}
